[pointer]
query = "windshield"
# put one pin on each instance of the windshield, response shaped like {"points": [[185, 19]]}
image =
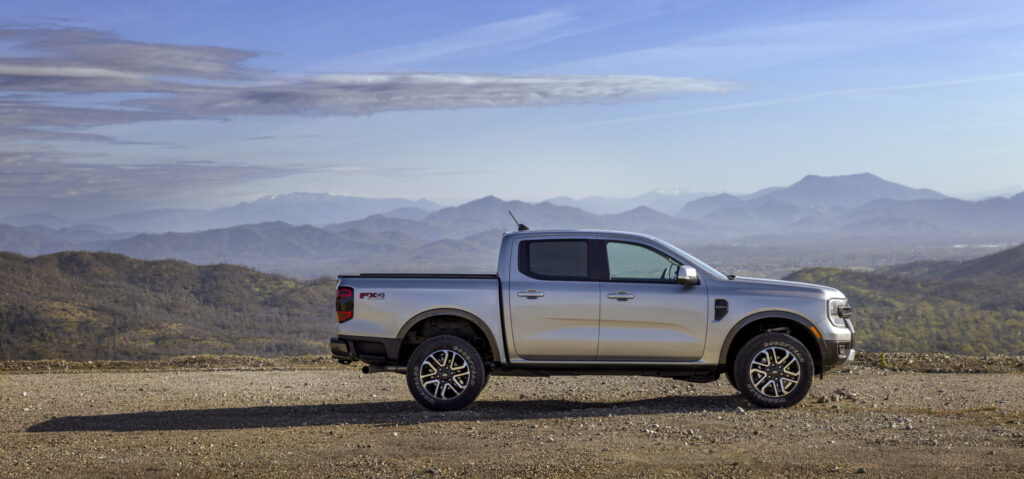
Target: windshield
{"points": [[690, 259]]}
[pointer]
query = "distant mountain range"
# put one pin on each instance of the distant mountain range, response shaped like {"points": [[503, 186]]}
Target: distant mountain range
{"points": [[665, 200], [826, 216], [294, 208], [812, 203]]}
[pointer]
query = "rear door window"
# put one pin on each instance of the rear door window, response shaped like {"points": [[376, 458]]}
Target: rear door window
{"points": [[565, 260]]}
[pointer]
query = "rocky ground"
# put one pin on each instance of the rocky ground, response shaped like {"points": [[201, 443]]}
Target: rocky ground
{"points": [[307, 417]]}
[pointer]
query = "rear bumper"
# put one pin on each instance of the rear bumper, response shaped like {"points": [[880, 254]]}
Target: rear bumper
{"points": [[377, 351]]}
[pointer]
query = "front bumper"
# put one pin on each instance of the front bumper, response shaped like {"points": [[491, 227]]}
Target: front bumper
{"points": [[836, 354]]}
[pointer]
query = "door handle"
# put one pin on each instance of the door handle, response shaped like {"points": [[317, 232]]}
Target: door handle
{"points": [[622, 296], [532, 294]]}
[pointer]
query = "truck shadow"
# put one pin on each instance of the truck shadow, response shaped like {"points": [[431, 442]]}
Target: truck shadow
{"points": [[389, 412]]}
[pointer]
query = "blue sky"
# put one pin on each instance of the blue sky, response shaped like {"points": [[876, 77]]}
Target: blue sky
{"points": [[114, 106]]}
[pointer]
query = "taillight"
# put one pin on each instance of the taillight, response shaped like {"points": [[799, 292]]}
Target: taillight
{"points": [[343, 303]]}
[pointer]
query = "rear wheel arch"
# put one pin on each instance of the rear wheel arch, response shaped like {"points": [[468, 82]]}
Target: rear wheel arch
{"points": [[447, 321], [767, 321]]}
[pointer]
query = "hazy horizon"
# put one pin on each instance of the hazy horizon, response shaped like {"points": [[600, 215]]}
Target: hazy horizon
{"points": [[1008, 192]]}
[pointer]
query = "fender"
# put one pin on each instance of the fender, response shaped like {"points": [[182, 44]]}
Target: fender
{"points": [[457, 313], [806, 323]]}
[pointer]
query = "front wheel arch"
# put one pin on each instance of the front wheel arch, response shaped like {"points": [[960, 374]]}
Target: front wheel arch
{"points": [[768, 321]]}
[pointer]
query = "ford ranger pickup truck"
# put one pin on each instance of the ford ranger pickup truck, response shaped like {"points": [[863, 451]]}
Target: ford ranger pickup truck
{"points": [[592, 302]]}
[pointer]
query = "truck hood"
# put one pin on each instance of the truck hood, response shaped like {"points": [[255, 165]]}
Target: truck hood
{"points": [[781, 286]]}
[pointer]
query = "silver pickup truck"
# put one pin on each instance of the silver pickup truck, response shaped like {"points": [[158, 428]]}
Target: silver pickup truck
{"points": [[592, 302]]}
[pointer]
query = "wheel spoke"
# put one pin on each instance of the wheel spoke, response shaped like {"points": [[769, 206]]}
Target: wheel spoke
{"points": [[445, 374], [774, 371]]}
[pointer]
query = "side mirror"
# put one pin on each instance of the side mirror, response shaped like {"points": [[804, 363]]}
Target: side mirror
{"points": [[687, 276]]}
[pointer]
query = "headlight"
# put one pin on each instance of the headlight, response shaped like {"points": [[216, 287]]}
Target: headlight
{"points": [[838, 311]]}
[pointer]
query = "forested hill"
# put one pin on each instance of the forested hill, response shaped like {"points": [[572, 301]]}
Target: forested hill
{"points": [[968, 307], [79, 305]]}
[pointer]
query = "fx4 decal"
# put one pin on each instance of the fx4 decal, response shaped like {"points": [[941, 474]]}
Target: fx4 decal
{"points": [[378, 295]]}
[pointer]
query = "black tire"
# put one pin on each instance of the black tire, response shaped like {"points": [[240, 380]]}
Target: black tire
{"points": [[732, 379], [445, 373], [781, 375]]}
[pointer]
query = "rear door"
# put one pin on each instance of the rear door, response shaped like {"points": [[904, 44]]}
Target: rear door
{"points": [[554, 301], [645, 314]]}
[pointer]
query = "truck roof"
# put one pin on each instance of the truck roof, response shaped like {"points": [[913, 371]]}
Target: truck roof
{"points": [[560, 232]]}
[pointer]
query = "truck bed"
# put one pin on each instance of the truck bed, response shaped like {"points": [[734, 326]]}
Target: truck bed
{"points": [[420, 276]]}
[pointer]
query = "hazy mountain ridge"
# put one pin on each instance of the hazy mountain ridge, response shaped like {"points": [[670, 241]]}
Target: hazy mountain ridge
{"points": [[294, 208], [812, 195], [1005, 265], [276, 246], [491, 213], [1002, 217], [410, 238], [665, 200], [36, 239]]}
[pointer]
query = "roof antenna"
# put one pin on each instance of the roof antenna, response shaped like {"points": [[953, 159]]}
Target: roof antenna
{"points": [[521, 226]]}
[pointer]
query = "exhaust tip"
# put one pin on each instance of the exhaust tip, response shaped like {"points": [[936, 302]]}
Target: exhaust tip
{"points": [[366, 370]]}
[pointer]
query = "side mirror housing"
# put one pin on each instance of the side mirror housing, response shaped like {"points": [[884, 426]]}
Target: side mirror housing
{"points": [[687, 276]]}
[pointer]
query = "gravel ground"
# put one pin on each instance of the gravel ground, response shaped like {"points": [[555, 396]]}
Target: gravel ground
{"points": [[331, 420]]}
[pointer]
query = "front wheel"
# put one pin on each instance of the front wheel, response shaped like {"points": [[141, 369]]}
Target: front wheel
{"points": [[773, 370], [445, 373]]}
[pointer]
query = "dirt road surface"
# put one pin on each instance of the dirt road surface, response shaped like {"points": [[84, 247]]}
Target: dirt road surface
{"points": [[336, 422]]}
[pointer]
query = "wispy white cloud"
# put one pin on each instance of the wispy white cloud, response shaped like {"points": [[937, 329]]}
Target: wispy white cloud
{"points": [[801, 98], [365, 94], [819, 34], [515, 33], [81, 48], [505, 36], [192, 82]]}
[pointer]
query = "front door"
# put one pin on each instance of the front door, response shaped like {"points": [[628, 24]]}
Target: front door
{"points": [[553, 303], [645, 314]]}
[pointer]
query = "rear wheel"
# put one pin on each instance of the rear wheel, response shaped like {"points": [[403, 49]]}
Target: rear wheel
{"points": [[445, 373], [773, 370]]}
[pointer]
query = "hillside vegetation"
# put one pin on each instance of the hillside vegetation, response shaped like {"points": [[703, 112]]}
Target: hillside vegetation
{"points": [[82, 306], [87, 306], [969, 307]]}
